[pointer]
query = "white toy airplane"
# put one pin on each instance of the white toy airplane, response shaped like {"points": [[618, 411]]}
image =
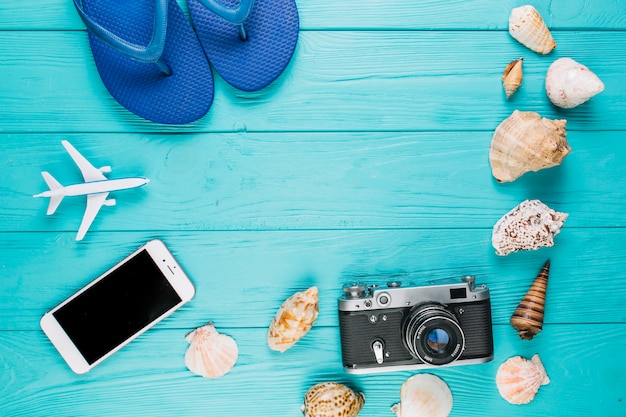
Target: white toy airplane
{"points": [[96, 187]]}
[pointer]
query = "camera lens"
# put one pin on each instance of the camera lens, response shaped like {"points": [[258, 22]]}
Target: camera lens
{"points": [[433, 335]]}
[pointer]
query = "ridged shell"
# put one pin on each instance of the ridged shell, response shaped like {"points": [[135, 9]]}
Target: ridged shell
{"points": [[331, 399], [529, 226], [569, 84], [210, 354], [293, 320], [518, 379], [424, 395], [512, 77], [528, 27], [527, 318], [526, 142]]}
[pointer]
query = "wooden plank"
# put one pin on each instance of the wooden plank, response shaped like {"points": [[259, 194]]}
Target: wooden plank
{"points": [[381, 81], [359, 15], [148, 377], [243, 277], [270, 181]]}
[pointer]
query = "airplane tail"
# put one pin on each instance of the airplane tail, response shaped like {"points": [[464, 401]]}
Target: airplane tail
{"points": [[54, 199]]}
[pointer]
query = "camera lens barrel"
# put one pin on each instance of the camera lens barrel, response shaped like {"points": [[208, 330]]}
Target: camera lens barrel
{"points": [[432, 334]]}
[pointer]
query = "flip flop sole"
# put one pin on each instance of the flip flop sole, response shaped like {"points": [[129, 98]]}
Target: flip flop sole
{"points": [[182, 97], [272, 28]]}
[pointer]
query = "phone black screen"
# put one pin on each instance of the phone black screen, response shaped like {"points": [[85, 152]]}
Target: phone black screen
{"points": [[117, 307]]}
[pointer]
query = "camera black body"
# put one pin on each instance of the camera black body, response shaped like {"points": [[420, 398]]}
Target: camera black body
{"points": [[394, 328]]}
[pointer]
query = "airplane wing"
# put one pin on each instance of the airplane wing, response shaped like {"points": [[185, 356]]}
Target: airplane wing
{"points": [[90, 173], [94, 202]]}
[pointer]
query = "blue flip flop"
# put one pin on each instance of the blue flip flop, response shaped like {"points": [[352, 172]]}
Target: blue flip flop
{"points": [[149, 58], [249, 43]]}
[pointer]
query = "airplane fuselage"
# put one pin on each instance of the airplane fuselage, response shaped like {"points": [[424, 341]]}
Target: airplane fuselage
{"points": [[95, 187]]}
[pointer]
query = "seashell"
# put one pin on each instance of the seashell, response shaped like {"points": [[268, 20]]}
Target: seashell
{"points": [[527, 318], [424, 395], [293, 320], [528, 28], [210, 354], [512, 77], [529, 226], [518, 379], [331, 399], [526, 142], [569, 84]]}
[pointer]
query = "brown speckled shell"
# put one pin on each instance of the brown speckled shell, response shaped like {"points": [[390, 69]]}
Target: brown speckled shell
{"points": [[332, 399]]}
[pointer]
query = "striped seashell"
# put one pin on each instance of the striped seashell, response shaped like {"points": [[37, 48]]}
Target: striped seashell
{"points": [[518, 379], [332, 399], [528, 27], [512, 77], [527, 318], [210, 354], [293, 320]]}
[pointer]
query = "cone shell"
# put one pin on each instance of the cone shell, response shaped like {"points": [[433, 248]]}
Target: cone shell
{"points": [[529, 226], [512, 77], [527, 27], [518, 379], [294, 319], [526, 142], [527, 318], [569, 84], [424, 395], [210, 354], [331, 399]]}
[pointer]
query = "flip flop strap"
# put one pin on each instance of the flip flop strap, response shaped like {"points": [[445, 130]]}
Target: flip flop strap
{"points": [[150, 53], [235, 15]]}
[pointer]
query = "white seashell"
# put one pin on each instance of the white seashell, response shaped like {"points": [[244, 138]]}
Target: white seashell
{"points": [[528, 226], [518, 379], [526, 142], [528, 27], [210, 354], [424, 395], [293, 320], [512, 77], [331, 399], [569, 84]]}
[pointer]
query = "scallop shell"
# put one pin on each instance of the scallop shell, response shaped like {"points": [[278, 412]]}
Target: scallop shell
{"points": [[331, 399], [293, 320], [529, 226], [210, 354], [527, 318], [512, 77], [518, 379], [569, 84], [526, 142], [424, 395], [527, 27]]}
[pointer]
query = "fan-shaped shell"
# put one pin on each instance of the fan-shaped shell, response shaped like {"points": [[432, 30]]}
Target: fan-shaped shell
{"points": [[569, 84], [293, 320], [210, 354], [424, 395], [528, 27], [332, 399], [518, 379], [512, 77], [526, 142], [527, 318], [529, 226]]}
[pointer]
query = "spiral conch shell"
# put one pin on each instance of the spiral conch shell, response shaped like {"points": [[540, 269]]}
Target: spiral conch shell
{"points": [[518, 379], [529, 226], [526, 142], [569, 84], [210, 354], [424, 395], [332, 399], [293, 320], [527, 318], [527, 27], [512, 77]]}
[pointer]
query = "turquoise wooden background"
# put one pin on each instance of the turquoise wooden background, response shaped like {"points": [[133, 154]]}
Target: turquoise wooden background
{"points": [[369, 156]]}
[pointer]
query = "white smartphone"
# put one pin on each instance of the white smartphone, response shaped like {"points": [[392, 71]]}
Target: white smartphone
{"points": [[118, 306]]}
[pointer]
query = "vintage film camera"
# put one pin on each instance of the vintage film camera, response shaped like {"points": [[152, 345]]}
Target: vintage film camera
{"points": [[397, 328]]}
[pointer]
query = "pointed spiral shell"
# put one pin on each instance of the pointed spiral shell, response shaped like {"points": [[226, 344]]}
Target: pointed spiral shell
{"points": [[527, 318]]}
